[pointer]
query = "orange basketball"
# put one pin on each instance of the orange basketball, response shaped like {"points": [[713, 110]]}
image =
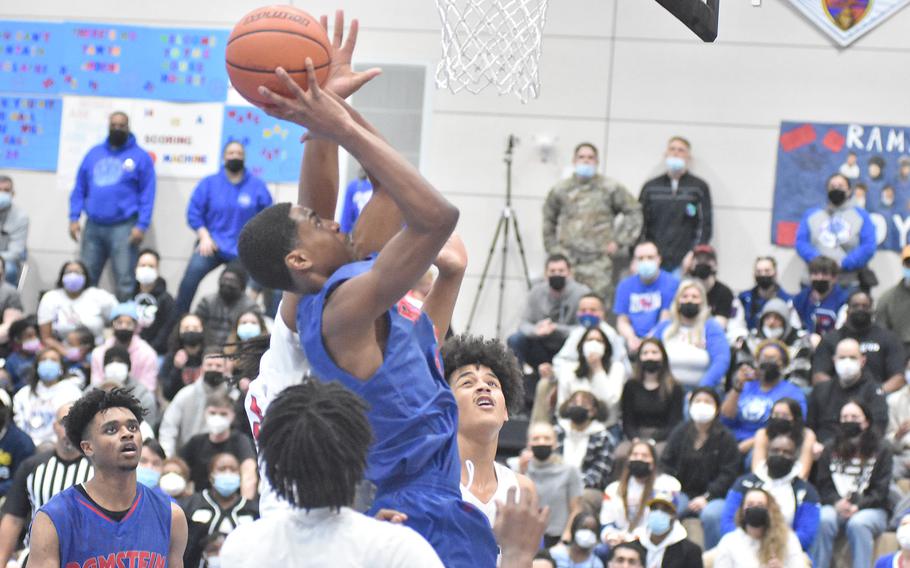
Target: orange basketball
{"points": [[270, 37]]}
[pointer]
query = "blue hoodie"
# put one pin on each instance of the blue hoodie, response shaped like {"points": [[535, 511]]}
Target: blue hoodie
{"points": [[114, 185]]}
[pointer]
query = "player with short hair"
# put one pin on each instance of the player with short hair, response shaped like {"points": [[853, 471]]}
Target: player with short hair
{"points": [[110, 519]]}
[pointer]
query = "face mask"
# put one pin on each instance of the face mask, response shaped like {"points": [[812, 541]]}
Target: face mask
{"points": [[589, 320], [689, 310], [593, 349], [172, 484], [647, 269], [577, 414], [585, 538], [191, 338], [73, 281], [117, 138], [779, 466], [651, 366], [229, 293], [73, 354], [147, 476], [233, 165], [821, 286], [837, 197], [585, 171], [146, 275], [887, 201], [659, 522], [248, 331], [859, 319], [850, 429], [217, 424], [557, 282], [116, 372], [756, 517], [5, 200], [49, 370], [213, 378], [226, 484], [639, 468], [770, 371], [906, 271], [123, 336], [212, 562], [675, 164], [772, 332], [542, 453], [702, 271], [702, 412], [764, 282], [861, 201], [31, 345], [848, 370], [903, 537]]}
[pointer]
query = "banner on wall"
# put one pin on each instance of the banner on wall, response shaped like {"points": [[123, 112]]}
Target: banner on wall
{"points": [[272, 146], [30, 56], [29, 132], [845, 21], [876, 159]]}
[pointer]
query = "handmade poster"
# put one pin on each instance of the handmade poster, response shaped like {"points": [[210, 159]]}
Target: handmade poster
{"points": [[29, 132], [30, 56], [874, 157], [273, 147], [845, 21]]}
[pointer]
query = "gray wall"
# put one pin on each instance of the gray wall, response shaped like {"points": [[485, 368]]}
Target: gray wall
{"points": [[623, 74]]}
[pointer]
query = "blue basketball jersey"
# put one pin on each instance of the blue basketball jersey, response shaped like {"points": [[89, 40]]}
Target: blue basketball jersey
{"points": [[90, 539]]}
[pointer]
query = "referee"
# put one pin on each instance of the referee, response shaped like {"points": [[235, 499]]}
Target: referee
{"points": [[37, 480]]}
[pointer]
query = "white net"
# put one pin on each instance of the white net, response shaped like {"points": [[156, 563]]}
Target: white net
{"points": [[491, 42]]}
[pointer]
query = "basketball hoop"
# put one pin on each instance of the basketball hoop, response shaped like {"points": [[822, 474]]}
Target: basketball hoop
{"points": [[491, 42]]}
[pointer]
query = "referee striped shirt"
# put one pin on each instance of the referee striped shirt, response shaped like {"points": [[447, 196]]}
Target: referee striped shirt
{"points": [[41, 477]]}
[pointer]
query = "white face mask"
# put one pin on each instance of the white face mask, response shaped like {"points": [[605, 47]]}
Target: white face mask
{"points": [[593, 348], [702, 412], [146, 275], [848, 370], [172, 484], [217, 424], [585, 538], [116, 372], [903, 537], [772, 332]]}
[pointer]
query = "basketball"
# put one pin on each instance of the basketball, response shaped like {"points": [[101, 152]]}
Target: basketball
{"points": [[271, 37]]}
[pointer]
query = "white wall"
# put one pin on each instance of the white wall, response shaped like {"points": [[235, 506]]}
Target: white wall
{"points": [[623, 74]]}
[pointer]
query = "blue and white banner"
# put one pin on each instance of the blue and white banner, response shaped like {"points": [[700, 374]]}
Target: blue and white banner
{"points": [[845, 21]]}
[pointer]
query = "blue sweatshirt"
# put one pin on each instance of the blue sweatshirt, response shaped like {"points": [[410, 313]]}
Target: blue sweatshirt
{"points": [[114, 185], [715, 344], [224, 208], [845, 234], [820, 317], [15, 447]]}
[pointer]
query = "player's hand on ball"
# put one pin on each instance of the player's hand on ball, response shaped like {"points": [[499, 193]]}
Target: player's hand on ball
{"points": [[315, 109], [342, 79]]}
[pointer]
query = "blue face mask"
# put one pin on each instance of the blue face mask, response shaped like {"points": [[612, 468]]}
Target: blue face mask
{"points": [[675, 164], [147, 476], [49, 370], [585, 171], [647, 269], [248, 331], [226, 484], [907, 273], [588, 320], [659, 521], [5, 199]]}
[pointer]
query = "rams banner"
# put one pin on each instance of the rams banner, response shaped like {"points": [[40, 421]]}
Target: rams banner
{"points": [[874, 157], [845, 21]]}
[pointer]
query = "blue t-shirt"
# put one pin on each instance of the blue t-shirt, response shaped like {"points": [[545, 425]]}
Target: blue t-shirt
{"points": [[642, 303], [754, 407], [561, 557], [819, 317], [356, 196], [88, 537], [888, 560]]}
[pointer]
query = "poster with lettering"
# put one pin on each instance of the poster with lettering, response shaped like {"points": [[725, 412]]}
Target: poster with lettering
{"points": [[30, 56], [144, 62], [29, 132], [876, 160], [273, 148], [183, 139]]}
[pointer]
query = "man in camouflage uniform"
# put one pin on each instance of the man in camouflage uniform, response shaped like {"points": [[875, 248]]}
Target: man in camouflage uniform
{"points": [[579, 221]]}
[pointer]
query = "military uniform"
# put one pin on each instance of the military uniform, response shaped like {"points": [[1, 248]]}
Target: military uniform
{"points": [[579, 219]]}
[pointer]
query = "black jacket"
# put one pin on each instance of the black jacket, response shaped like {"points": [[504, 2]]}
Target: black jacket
{"points": [[711, 469], [827, 398], [875, 493], [160, 306], [676, 222], [683, 554]]}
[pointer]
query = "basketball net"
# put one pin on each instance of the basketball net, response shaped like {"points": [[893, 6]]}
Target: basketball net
{"points": [[491, 42]]}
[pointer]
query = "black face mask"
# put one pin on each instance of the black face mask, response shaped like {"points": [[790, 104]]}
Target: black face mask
{"points": [[577, 414], [777, 426], [233, 165], [123, 336], [757, 517], [639, 468], [542, 453], [770, 371], [837, 197], [764, 282], [213, 378], [117, 138], [821, 286], [651, 366], [850, 429], [779, 466], [191, 338], [859, 319], [689, 310], [229, 293], [702, 270], [557, 282]]}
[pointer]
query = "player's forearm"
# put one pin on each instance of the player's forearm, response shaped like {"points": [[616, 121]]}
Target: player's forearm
{"points": [[10, 529], [318, 186]]}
